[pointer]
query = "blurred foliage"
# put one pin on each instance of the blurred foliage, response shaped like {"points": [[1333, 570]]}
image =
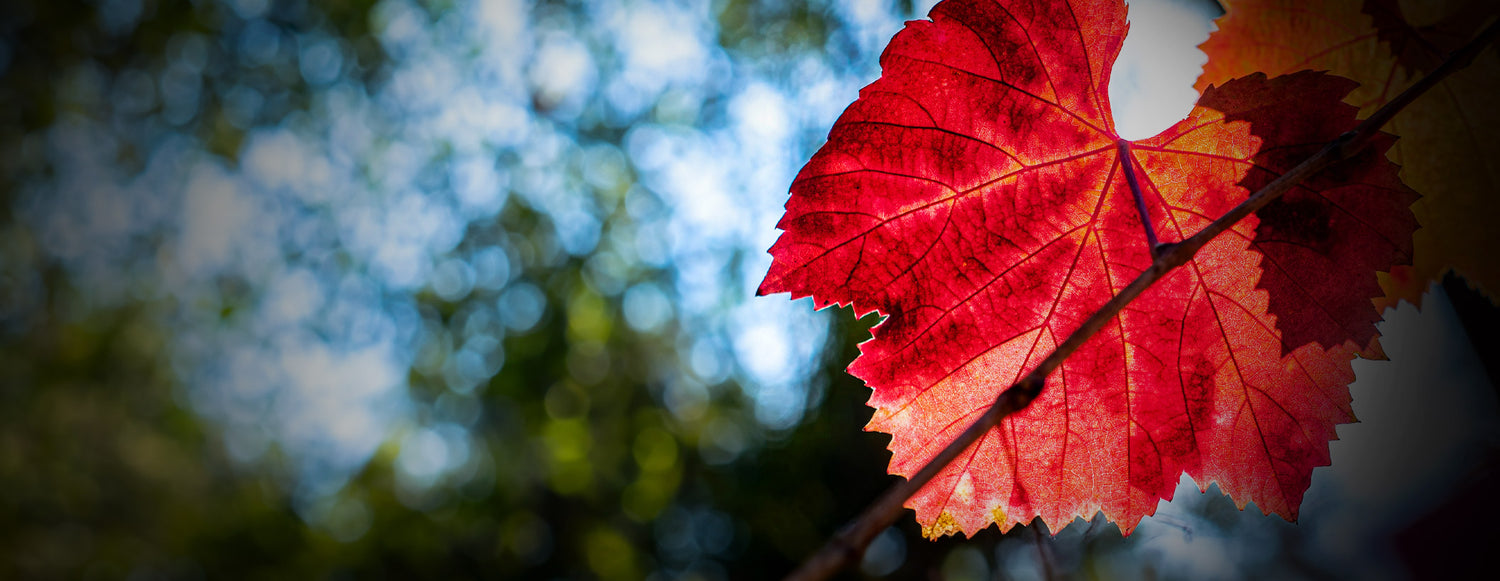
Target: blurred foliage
{"points": [[110, 473]]}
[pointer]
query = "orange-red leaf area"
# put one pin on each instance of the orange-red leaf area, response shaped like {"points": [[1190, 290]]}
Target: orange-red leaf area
{"points": [[1324, 240], [974, 196]]}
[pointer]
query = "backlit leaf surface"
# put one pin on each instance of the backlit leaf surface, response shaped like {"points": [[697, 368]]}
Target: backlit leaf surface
{"points": [[1324, 240], [974, 195]]}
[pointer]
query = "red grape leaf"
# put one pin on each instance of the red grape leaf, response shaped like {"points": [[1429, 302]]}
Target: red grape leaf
{"points": [[1324, 240], [974, 196]]}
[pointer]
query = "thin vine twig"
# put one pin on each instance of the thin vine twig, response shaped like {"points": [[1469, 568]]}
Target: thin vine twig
{"points": [[849, 544]]}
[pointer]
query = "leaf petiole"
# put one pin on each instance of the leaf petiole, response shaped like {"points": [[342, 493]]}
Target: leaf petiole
{"points": [[1127, 163]]}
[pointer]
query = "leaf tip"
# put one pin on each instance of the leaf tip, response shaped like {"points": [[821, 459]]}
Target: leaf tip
{"points": [[944, 525]]}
